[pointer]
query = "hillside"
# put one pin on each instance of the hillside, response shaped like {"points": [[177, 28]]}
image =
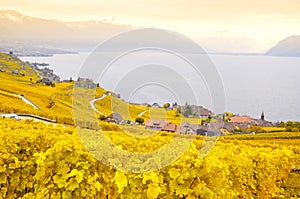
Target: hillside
{"points": [[31, 35], [287, 47], [18, 80]]}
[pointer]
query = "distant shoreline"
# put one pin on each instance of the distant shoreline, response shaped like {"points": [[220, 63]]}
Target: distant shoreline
{"points": [[42, 54], [208, 53]]}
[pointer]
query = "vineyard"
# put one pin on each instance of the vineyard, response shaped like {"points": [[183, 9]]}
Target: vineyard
{"points": [[38, 160], [56, 103], [45, 161]]}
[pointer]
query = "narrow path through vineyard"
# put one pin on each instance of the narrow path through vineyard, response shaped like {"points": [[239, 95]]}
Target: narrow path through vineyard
{"points": [[92, 103]]}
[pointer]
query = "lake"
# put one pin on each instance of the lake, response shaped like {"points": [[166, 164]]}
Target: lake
{"points": [[252, 83]]}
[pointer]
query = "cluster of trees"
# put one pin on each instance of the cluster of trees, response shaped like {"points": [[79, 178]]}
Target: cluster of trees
{"points": [[290, 126], [256, 129], [139, 120], [187, 110]]}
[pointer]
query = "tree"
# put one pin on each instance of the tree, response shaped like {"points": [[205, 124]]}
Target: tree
{"points": [[166, 105], [281, 124], [256, 129], [177, 113], [102, 117], [229, 114], [201, 122], [139, 120], [187, 110]]}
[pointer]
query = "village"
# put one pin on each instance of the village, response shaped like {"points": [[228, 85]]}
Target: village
{"points": [[211, 125]]}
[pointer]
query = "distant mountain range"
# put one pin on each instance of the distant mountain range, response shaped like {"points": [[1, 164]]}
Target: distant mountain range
{"points": [[35, 35], [287, 47], [25, 35]]}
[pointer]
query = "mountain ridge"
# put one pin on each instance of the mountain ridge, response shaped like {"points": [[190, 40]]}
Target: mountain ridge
{"points": [[20, 32], [289, 46]]}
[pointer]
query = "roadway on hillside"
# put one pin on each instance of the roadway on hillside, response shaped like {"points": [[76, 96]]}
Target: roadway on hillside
{"points": [[36, 119], [142, 113], [23, 98], [27, 101], [92, 103], [28, 116]]}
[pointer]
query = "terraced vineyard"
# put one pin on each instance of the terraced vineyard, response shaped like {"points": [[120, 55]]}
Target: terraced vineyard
{"points": [[43, 161], [46, 161]]}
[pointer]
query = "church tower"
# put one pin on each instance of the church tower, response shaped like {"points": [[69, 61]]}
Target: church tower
{"points": [[262, 117]]}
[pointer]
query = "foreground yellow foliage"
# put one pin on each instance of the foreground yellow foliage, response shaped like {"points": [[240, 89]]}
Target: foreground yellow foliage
{"points": [[45, 161]]}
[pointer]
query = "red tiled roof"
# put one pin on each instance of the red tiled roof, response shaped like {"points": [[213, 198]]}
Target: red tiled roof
{"points": [[169, 127], [155, 122], [240, 119], [205, 112], [160, 125]]}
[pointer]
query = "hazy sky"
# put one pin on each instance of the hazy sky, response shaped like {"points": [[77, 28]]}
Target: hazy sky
{"points": [[234, 25]]}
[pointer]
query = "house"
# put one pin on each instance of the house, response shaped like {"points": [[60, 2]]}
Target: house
{"points": [[191, 129], [187, 128], [210, 129], [169, 127], [45, 81], [260, 122], [2, 70], [15, 72], [220, 126], [85, 83], [241, 122], [240, 119], [200, 111], [160, 125], [157, 125], [114, 118], [245, 122], [46, 72], [204, 113], [229, 126]]}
